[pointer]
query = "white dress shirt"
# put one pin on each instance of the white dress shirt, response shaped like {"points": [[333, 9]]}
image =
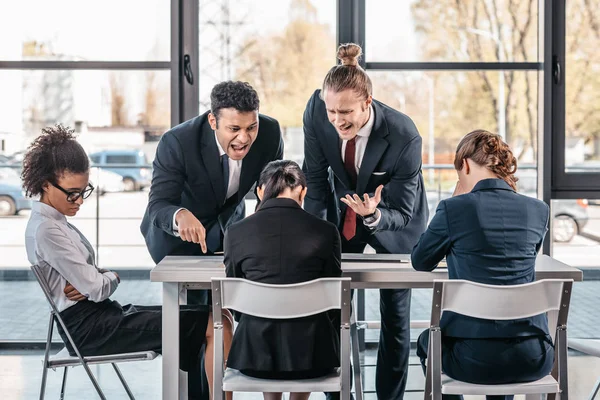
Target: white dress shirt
{"points": [[235, 170], [65, 255], [362, 138]]}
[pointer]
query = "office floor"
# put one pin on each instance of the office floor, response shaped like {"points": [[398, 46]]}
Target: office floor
{"points": [[24, 310], [24, 316], [20, 377]]}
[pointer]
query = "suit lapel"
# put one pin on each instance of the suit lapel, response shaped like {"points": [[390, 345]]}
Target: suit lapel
{"points": [[212, 163], [250, 165], [376, 146]]}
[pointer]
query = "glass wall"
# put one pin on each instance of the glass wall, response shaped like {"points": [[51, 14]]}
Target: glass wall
{"points": [[582, 85], [102, 69], [451, 66]]}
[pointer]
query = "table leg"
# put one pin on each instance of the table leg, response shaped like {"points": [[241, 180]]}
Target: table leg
{"points": [[170, 341]]}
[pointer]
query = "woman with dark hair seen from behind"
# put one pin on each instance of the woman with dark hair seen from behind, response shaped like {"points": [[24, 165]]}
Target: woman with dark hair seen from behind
{"points": [[499, 247], [282, 244], [56, 168]]}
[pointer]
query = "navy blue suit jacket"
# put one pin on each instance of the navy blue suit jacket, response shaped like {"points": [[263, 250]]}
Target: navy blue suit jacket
{"points": [[392, 158], [187, 173], [491, 235]]}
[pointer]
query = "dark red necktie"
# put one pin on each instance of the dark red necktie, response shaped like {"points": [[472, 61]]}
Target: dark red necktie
{"points": [[349, 226]]}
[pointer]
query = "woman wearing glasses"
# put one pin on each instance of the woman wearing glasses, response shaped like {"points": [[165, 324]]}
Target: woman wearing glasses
{"points": [[56, 168]]}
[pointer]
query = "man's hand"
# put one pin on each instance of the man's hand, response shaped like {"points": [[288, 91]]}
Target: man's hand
{"points": [[364, 207], [72, 293], [190, 229]]}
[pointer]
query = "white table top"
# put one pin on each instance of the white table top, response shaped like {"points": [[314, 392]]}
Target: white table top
{"points": [[366, 270]]}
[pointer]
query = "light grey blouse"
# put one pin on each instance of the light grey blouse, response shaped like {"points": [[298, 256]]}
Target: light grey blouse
{"points": [[65, 255]]}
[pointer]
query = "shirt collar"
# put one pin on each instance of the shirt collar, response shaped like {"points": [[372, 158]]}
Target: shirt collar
{"points": [[365, 131], [48, 211], [491, 183], [221, 151]]}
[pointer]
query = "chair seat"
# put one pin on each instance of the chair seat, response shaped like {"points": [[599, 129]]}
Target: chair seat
{"points": [[586, 346], [235, 381], [545, 385], [63, 359]]}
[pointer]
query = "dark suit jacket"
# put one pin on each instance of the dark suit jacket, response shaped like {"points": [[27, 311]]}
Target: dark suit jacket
{"points": [[187, 173], [491, 235], [392, 158], [283, 244]]}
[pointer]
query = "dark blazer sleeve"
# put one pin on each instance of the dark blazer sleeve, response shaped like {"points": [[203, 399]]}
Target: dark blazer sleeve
{"points": [[434, 242], [314, 166], [541, 242], [333, 267], [400, 194], [232, 269], [168, 178]]}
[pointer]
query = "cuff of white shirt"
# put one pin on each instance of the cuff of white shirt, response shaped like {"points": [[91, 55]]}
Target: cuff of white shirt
{"points": [[113, 278], [376, 222], [175, 227]]}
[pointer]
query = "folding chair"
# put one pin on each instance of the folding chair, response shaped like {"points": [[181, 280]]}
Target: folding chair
{"points": [[496, 302], [63, 359], [281, 302], [590, 347]]}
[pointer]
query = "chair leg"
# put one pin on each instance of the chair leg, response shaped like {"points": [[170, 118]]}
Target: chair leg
{"points": [[46, 355], [595, 390], [356, 359], [123, 381], [64, 384], [93, 379]]}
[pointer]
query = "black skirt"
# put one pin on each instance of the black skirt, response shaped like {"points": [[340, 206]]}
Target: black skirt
{"points": [[109, 328]]}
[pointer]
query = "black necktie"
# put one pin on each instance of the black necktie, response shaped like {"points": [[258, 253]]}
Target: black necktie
{"points": [[225, 167]]}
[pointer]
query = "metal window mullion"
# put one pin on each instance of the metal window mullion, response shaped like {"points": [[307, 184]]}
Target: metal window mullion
{"points": [[449, 66], [85, 65]]}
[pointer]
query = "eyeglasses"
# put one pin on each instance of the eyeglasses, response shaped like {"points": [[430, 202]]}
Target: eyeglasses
{"points": [[73, 196]]}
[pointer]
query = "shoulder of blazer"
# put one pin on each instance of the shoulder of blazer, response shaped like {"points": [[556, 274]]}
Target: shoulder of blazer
{"points": [[398, 124], [188, 130], [316, 106], [268, 126]]}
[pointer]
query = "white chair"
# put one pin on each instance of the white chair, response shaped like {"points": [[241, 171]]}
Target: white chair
{"points": [[63, 360], [496, 302], [281, 302], [590, 347]]}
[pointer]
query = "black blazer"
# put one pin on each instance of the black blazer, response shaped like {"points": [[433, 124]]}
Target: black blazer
{"points": [[392, 158], [187, 173], [283, 244], [491, 235]]}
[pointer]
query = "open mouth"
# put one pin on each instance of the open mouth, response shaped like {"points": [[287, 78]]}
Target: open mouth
{"points": [[240, 149], [344, 128]]}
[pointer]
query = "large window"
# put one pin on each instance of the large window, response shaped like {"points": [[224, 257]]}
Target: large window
{"points": [[103, 69], [114, 71], [433, 30], [582, 84], [283, 49]]}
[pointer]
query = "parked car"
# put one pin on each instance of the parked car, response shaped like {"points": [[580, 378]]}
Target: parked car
{"points": [[569, 216], [12, 195], [131, 165], [106, 181]]}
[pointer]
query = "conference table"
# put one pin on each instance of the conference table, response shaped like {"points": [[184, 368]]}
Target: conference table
{"points": [[368, 271]]}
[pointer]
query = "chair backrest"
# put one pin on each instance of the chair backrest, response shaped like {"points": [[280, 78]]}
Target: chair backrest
{"points": [[503, 302], [37, 271], [281, 301], [55, 314]]}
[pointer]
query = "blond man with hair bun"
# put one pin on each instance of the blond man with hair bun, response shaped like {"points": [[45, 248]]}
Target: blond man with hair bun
{"points": [[362, 161]]}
